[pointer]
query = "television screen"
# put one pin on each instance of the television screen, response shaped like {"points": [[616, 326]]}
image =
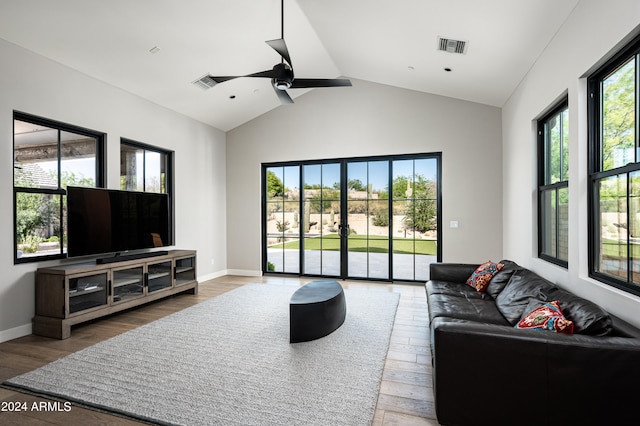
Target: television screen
{"points": [[106, 220]]}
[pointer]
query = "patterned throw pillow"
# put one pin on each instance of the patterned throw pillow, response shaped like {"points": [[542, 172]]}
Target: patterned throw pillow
{"points": [[482, 276], [548, 316]]}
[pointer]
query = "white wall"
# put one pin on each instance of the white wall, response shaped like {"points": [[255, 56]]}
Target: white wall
{"points": [[372, 119], [588, 37], [36, 85]]}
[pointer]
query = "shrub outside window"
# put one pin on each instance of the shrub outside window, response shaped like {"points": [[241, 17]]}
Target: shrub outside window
{"points": [[614, 171], [553, 189]]}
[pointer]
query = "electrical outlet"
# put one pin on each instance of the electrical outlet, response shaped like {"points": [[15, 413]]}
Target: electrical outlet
{"points": [[212, 261], [453, 224]]}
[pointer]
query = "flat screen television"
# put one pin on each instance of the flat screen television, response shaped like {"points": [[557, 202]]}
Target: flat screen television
{"points": [[103, 221]]}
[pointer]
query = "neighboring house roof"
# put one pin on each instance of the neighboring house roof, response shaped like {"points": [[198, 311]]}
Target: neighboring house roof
{"points": [[32, 175]]}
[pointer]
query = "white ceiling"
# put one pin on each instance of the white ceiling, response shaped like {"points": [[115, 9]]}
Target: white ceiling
{"points": [[392, 42]]}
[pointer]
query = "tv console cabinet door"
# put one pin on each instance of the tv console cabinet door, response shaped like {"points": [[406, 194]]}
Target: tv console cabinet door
{"points": [[128, 283], [87, 292], [159, 276], [185, 271]]}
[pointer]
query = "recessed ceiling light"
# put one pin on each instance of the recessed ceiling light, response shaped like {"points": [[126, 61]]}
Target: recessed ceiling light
{"points": [[411, 68], [154, 49]]}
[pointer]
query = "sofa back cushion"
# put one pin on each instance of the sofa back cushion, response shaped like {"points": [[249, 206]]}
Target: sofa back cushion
{"points": [[522, 286], [501, 279], [588, 318]]}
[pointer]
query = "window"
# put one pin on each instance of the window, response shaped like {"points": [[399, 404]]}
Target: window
{"points": [[48, 156], [553, 185], [375, 218], [614, 171], [146, 168]]}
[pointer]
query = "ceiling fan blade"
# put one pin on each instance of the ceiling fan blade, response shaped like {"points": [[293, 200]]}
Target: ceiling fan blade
{"points": [[218, 79], [307, 83], [264, 74], [283, 96], [281, 47]]}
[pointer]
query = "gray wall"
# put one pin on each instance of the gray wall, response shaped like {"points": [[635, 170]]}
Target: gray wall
{"points": [[36, 85], [563, 67], [373, 119]]}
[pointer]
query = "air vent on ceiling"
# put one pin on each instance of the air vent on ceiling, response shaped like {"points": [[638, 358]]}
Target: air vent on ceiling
{"points": [[205, 82], [451, 45]]}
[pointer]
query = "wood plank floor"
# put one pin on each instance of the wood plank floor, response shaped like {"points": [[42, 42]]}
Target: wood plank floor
{"points": [[405, 397]]}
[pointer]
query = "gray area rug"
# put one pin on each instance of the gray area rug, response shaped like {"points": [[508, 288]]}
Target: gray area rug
{"points": [[228, 361]]}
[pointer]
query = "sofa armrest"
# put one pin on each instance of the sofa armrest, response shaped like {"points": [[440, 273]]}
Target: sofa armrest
{"points": [[451, 272], [510, 376]]}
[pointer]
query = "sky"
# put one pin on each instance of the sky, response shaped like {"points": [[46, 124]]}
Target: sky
{"points": [[375, 173]]}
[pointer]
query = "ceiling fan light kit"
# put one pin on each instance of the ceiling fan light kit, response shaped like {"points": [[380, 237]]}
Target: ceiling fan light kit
{"points": [[281, 75]]}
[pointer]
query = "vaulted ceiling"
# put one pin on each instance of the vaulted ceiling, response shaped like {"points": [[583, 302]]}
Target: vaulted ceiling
{"points": [[393, 42]]}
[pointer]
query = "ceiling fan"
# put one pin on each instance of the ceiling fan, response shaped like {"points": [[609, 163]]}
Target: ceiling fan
{"points": [[281, 75]]}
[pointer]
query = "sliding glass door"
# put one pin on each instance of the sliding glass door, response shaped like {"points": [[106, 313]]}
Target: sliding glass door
{"points": [[281, 223], [415, 209], [373, 218], [368, 219], [321, 219]]}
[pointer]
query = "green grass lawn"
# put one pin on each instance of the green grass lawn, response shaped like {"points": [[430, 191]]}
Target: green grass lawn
{"points": [[360, 243]]}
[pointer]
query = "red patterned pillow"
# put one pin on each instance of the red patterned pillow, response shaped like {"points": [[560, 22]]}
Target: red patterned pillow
{"points": [[548, 316], [482, 276]]}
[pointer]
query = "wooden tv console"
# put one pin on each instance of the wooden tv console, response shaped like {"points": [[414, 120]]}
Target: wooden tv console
{"points": [[71, 294]]}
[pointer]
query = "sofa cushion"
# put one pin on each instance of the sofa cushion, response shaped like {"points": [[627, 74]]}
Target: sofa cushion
{"points": [[472, 309], [523, 285], [481, 277], [501, 279], [453, 289], [588, 318], [541, 315]]}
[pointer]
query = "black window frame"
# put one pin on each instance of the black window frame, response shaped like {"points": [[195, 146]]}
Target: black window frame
{"points": [[546, 187], [595, 169], [169, 176], [100, 138]]}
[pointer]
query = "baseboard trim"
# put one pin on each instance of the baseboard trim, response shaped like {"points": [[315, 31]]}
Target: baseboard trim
{"points": [[244, 272], [212, 276], [14, 333]]}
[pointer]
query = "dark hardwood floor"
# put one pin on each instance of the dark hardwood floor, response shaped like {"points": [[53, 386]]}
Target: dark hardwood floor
{"points": [[405, 397]]}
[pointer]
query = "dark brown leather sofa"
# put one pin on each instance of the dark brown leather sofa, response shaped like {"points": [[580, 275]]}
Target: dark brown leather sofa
{"points": [[486, 372]]}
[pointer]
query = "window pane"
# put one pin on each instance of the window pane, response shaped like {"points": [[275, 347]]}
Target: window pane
{"points": [[634, 226], [552, 151], [548, 222], [357, 180], [378, 184], [618, 117], [565, 145], [556, 148], [35, 155], [37, 224], [131, 168], [153, 171], [78, 160], [402, 179], [612, 192], [563, 224]]}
